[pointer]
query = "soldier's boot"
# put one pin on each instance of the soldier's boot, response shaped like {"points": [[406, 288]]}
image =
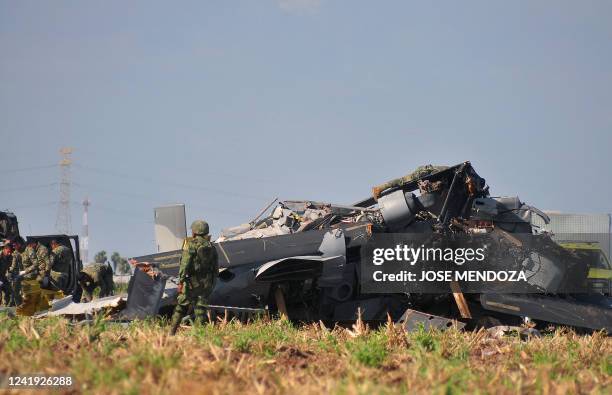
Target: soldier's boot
{"points": [[17, 298], [175, 323], [9, 297], [177, 317], [200, 310], [200, 315]]}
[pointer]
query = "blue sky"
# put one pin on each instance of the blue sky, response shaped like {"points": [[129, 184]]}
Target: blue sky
{"points": [[225, 105]]}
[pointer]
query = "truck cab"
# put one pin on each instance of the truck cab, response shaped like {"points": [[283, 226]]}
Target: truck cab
{"points": [[600, 270], [72, 242]]}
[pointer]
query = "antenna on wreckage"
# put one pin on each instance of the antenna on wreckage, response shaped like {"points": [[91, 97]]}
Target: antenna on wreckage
{"points": [[252, 222]]}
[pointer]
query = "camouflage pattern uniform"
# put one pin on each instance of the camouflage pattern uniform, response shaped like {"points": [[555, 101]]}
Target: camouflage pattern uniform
{"points": [[96, 275], [37, 266], [36, 262], [61, 264], [5, 286], [197, 275], [419, 172], [29, 263], [16, 267]]}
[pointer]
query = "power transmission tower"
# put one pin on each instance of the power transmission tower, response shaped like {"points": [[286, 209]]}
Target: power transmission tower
{"points": [[64, 220], [85, 237]]}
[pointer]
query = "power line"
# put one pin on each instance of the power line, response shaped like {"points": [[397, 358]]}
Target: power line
{"points": [[122, 213], [87, 187], [18, 170], [28, 187], [168, 183], [34, 205], [108, 191]]}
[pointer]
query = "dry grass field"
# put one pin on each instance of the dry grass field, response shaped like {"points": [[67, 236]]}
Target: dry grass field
{"points": [[275, 356]]}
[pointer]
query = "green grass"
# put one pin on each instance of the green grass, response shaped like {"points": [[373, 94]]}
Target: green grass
{"points": [[277, 356], [370, 351]]}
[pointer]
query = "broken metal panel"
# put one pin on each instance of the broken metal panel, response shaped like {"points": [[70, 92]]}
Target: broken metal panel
{"points": [[413, 185], [398, 209], [296, 268], [551, 309], [297, 216], [144, 295], [241, 313], [166, 262], [236, 253], [333, 243], [330, 263], [240, 252], [236, 286], [412, 320], [508, 213], [66, 307], [525, 333]]}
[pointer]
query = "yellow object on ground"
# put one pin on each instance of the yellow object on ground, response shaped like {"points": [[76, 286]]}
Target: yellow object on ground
{"points": [[35, 298], [31, 298]]}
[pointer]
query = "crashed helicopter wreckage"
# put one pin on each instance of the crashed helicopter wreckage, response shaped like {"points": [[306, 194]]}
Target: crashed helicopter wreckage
{"points": [[307, 260]]}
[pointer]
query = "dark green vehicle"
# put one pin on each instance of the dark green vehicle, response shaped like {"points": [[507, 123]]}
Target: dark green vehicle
{"points": [[9, 229], [72, 242]]}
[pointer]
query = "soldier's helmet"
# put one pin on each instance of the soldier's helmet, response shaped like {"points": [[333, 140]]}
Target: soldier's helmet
{"points": [[199, 227]]}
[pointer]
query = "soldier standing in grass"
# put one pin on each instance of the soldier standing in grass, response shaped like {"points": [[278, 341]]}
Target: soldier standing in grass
{"points": [[197, 275]]}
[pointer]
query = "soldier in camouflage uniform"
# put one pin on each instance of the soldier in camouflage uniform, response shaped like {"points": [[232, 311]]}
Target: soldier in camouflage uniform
{"points": [[419, 172], [197, 275], [6, 256], [36, 262], [96, 275], [61, 264], [15, 268], [35, 274]]}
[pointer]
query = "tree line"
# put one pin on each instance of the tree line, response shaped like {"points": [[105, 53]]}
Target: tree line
{"points": [[119, 263]]}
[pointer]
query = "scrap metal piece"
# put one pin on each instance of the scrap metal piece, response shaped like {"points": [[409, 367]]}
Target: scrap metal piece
{"points": [[462, 305], [144, 295], [243, 314], [295, 268], [333, 243], [280, 303], [500, 331], [66, 307], [551, 309], [411, 320], [398, 208]]}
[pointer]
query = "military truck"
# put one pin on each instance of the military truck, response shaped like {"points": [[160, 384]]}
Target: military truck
{"points": [[600, 270], [9, 229], [72, 242]]}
